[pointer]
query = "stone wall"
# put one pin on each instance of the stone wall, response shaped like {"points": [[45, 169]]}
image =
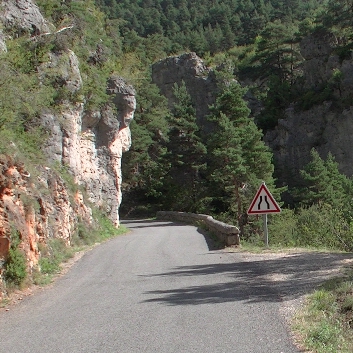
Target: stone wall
{"points": [[227, 234]]}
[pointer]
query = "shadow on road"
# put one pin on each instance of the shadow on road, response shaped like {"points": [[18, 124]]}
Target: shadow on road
{"points": [[148, 223], [253, 280]]}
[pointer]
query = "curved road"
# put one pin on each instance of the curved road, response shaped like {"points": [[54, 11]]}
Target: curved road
{"points": [[160, 289]]}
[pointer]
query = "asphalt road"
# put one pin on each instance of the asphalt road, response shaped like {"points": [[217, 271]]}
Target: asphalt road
{"points": [[161, 289]]}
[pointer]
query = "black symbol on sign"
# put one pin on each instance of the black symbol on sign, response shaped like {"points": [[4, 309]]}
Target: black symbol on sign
{"points": [[260, 202]]}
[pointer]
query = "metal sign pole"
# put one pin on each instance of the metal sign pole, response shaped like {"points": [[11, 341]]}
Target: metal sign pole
{"points": [[263, 203], [264, 216]]}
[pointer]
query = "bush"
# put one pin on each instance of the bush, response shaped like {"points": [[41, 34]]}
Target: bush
{"points": [[15, 267], [323, 227], [53, 255], [282, 228], [49, 265]]}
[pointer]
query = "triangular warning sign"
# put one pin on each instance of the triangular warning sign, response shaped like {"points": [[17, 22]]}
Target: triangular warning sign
{"points": [[263, 202]]}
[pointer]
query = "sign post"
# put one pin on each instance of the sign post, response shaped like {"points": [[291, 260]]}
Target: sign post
{"points": [[263, 203], [264, 217]]}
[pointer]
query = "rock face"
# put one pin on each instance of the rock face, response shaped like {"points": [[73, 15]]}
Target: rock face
{"points": [[41, 205], [3, 47], [23, 14], [200, 81], [91, 144], [325, 127]]}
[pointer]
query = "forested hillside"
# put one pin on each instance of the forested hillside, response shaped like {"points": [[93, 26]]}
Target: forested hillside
{"points": [[252, 49], [203, 26], [258, 43]]}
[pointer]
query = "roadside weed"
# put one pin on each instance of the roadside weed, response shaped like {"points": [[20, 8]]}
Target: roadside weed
{"points": [[325, 323]]}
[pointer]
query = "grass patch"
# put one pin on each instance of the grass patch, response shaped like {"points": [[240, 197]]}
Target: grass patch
{"points": [[53, 254], [102, 230], [325, 323]]}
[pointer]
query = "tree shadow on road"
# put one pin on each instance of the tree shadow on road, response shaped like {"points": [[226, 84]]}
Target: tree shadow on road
{"points": [[257, 279], [149, 223]]}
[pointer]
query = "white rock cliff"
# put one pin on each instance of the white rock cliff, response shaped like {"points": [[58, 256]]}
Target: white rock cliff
{"points": [[88, 145]]}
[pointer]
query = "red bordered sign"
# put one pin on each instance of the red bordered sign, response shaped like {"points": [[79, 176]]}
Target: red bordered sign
{"points": [[263, 202]]}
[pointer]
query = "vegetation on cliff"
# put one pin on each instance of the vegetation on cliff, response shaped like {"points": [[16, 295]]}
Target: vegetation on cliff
{"points": [[270, 57], [175, 163], [260, 40]]}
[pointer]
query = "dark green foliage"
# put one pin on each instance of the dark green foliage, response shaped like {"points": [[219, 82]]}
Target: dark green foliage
{"points": [[275, 62], [15, 264], [324, 226], [205, 25], [143, 169], [313, 97], [278, 51], [275, 102], [317, 226], [240, 160], [15, 267], [324, 218], [338, 16], [186, 155], [325, 184]]}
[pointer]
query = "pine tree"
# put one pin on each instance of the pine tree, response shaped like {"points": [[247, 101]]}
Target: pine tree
{"points": [[325, 184], [240, 161], [143, 170], [186, 154]]}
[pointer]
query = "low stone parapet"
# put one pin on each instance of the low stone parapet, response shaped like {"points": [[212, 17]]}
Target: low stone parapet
{"points": [[226, 233]]}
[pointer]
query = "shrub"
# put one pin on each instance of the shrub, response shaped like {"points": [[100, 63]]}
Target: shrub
{"points": [[15, 267], [53, 255], [282, 228], [101, 230], [323, 227]]}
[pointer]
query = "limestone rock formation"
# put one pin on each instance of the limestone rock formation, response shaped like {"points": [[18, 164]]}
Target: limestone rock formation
{"points": [[325, 127], [24, 15], [3, 47], [91, 143], [40, 205], [199, 80]]}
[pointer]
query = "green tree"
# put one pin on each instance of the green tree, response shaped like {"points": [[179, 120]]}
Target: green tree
{"points": [[324, 182], [240, 161], [278, 51], [276, 62], [185, 154], [338, 16], [143, 170]]}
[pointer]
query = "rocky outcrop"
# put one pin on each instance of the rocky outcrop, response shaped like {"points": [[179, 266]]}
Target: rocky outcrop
{"points": [[323, 65], [23, 15], [3, 47], [91, 144], [36, 207], [199, 80], [84, 145], [325, 126]]}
